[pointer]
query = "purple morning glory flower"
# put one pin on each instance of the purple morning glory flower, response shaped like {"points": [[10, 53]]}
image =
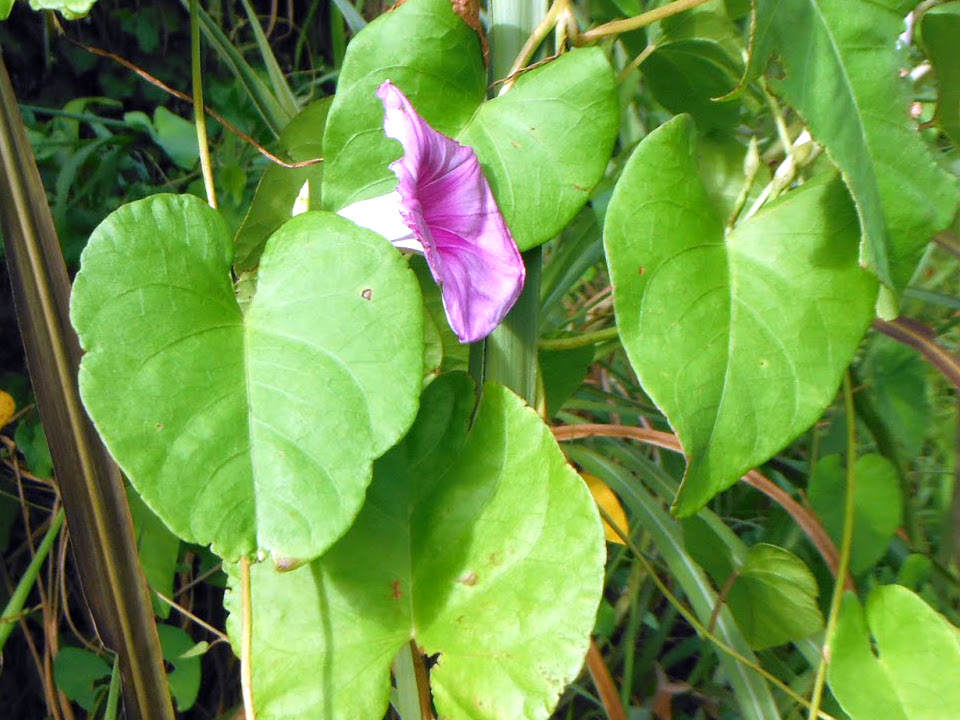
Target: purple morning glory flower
{"points": [[443, 207]]}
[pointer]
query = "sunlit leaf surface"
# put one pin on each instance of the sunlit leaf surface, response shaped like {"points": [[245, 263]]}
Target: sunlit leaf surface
{"points": [[252, 431], [481, 544], [740, 339]]}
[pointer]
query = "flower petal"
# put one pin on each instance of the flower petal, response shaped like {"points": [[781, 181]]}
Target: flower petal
{"points": [[382, 215], [446, 201]]}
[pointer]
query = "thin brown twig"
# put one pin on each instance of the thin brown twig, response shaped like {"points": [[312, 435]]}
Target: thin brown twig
{"points": [[48, 692], [14, 464], [65, 595], [197, 580], [187, 614], [20, 615], [722, 599], [522, 71], [187, 98], [21, 412]]}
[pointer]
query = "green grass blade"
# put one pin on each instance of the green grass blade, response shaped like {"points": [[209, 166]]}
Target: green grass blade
{"points": [[350, 14], [270, 107], [753, 695], [281, 88]]}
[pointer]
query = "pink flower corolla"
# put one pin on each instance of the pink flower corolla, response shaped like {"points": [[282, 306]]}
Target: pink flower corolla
{"points": [[443, 207]]}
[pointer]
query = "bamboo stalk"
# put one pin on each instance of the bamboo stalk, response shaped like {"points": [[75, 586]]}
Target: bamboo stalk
{"points": [[94, 500]]}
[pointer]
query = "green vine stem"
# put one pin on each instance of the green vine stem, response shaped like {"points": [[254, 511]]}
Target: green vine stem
{"points": [[199, 116], [28, 580], [578, 341], [642, 20], [846, 546], [246, 640]]}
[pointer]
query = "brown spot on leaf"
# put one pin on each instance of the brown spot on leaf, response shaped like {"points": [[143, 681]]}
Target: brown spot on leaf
{"points": [[159, 426], [287, 564], [468, 578], [395, 592], [367, 294], [643, 270]]}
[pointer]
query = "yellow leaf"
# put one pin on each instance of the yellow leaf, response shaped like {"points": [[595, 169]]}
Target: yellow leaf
{"points": [[7, 408], [606, 499]]}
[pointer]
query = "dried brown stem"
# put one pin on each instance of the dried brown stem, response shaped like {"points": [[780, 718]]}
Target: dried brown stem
{"points": [[187, 98], [604, 684]]}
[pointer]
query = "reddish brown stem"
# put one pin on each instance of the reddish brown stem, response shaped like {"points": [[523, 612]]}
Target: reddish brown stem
{"points": [[922, 338], [807, 521], [604, 684], [187, 98]]}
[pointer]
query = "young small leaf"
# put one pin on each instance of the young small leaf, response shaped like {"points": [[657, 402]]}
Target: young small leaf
{"points": [[178, 650], [79, 674], [879, 505], [774, 598]]}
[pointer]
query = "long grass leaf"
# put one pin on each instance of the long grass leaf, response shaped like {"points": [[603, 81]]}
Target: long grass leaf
{"points": [[281, 88], [353, 18], [753, 695], [267, 103]]}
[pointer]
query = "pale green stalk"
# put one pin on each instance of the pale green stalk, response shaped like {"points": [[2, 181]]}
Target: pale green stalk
{"points": [[578, 341], [846, 547], [246, 640], [510, 353], [199, 116], [616, 27], [28, 580]]}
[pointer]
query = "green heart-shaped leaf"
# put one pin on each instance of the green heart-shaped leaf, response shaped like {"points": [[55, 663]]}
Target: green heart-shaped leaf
{"points": [[843, 75], [540, 176], [545, 144], [252, 431], [914, 673], [479, 542], [740, 339], [939, 31], [878, 502], [427, 51], [774, 598]]}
